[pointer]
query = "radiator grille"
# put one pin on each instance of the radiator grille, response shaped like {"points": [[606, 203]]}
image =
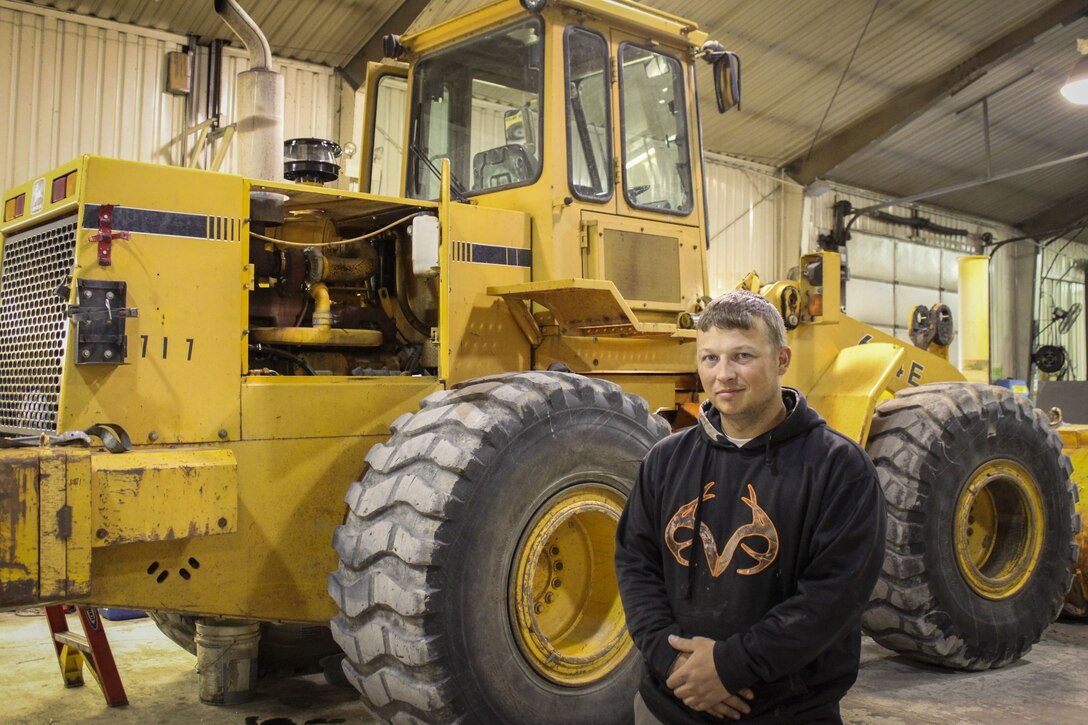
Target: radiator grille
{"points": [[33, 325]]}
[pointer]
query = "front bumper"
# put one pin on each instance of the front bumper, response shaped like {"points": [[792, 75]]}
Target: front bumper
{"points": [[59, 504]]}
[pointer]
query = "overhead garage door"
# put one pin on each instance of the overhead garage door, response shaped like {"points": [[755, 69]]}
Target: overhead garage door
{"points": [[888, 277]]}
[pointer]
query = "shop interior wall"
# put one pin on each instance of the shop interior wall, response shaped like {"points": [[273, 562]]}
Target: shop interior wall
{"points": [[76, 85]]}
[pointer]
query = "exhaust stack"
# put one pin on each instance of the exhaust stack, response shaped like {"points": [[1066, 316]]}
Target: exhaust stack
{"points": [[259, 113]]}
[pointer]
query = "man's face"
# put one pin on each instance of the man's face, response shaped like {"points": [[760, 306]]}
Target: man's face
{"points": [[741, 373]]}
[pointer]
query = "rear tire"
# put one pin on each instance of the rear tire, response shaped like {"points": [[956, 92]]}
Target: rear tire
{"points": [[981, 525], [450, 607]]}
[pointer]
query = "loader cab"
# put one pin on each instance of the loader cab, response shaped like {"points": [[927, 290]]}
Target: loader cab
{"points": [[478, 104], [582, 115]]}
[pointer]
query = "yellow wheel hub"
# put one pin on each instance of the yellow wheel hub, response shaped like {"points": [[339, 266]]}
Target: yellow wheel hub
{"points": [[998, 533], [568, 619]]}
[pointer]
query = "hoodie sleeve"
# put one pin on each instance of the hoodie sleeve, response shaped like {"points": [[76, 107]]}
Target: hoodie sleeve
{"points": [[641, 577], [832, 591]]}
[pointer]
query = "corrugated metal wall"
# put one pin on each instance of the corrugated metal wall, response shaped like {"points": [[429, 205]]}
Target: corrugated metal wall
{"points": [[75, 85], [79, 85], [746, 208]]}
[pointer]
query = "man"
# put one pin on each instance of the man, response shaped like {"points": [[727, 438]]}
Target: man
{"points": [[750, 543]]}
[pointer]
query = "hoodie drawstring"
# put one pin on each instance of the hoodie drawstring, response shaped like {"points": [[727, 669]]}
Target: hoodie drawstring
{"points": [[696, 536], [768, 457]]}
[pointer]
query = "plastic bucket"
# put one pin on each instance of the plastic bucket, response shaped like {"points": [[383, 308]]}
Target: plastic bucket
{"points": [[226, 660]]}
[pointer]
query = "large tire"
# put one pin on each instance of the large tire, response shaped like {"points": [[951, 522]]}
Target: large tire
{"points": [[981, 525], [452, 605], [284, 649]]}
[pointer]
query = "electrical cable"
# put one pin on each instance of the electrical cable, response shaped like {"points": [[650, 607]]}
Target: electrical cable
{"points": [[841, 79], [364, 237]]}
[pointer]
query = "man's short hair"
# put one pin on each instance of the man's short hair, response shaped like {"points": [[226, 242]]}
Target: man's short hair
{"points": [[735, 310]]}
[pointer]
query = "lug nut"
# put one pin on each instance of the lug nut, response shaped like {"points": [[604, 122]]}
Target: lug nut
{"points": [[556, 583], [538, 608], [555, 551], [559, 566], [549, 597]]}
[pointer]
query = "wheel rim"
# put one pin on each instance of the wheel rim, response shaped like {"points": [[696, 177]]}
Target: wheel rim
{"points": [[999, 529], [572, 633]]}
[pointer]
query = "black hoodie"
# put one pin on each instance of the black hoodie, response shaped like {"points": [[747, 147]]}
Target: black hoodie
{"points": [[792, 540]]}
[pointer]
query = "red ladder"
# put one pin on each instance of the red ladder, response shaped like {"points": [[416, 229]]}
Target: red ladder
{"points": [[92, 648]]}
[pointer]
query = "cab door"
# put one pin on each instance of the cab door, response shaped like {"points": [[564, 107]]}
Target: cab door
{"points": [[650, 246]]}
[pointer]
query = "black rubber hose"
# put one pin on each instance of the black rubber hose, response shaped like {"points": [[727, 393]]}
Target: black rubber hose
{"points": [[283, 354], [402, 294]]}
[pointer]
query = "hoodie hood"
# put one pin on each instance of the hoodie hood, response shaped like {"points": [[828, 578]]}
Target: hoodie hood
{"points": [[799, 419]]}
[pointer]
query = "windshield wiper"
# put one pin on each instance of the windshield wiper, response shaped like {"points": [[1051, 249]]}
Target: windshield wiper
{"points": [[456, 188]]}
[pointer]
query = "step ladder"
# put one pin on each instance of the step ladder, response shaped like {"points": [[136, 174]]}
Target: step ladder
{"points": [[91, 648]]}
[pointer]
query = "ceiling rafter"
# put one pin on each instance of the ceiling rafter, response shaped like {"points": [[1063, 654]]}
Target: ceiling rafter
{"points": [[1065, 213], [912, 102]]}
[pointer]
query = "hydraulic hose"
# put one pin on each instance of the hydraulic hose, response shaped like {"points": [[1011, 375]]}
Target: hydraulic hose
{"points": [[283, 354], [402, 293]]}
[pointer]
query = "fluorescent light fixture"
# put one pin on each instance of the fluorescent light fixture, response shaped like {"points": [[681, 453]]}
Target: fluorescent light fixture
{"points": [[1075, 89]]}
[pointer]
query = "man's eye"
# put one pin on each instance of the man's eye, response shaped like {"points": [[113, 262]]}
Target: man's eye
{"points": [[710, 360]]}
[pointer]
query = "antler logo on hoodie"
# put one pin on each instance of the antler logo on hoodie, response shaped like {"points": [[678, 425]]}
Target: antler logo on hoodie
{"points": [[761, 527]]}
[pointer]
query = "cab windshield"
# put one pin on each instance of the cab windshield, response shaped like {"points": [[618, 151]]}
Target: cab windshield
{"points": [[478, 105]]}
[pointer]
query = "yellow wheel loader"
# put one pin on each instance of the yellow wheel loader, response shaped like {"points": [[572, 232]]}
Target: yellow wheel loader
{"points": [[196, 366]]}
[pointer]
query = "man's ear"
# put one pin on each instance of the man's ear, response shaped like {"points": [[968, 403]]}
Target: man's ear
{"points": [[785, 355]]}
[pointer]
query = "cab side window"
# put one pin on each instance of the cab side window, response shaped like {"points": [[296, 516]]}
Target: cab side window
{"points": [[386, 155], [656, 155], [589, 118]]}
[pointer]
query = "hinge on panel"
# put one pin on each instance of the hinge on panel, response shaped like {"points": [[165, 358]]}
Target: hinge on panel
{"points": [[615, 74], [586, 235], [618, 169]]}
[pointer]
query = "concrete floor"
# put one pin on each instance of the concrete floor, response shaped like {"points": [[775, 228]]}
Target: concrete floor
{"points": [[1049, 685]]}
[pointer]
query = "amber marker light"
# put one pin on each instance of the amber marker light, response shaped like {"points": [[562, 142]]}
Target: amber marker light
{"points": [[13, 207], [63, 187]]}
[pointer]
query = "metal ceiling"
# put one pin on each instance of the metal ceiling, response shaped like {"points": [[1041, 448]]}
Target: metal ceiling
{"points": [[882, 94]]}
